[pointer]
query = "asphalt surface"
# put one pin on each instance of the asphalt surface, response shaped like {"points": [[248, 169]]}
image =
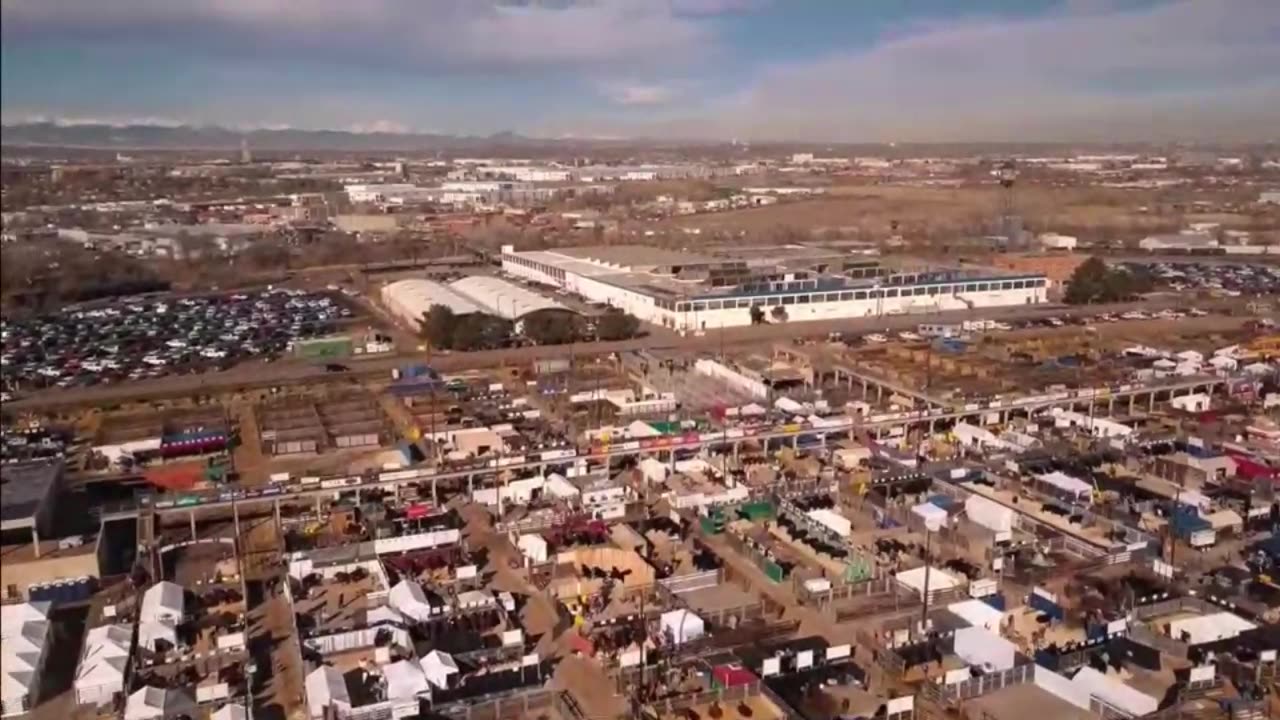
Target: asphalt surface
{"points": [[286, 372]]}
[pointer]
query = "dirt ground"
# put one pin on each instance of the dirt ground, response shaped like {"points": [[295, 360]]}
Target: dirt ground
{"points": [[870, 209]]}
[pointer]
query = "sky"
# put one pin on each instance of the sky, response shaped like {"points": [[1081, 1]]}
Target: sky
{"points": [[802, 70]]}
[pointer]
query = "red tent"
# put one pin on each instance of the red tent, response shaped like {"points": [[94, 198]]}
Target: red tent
{"points": [[732, 675], [178, 476], [420, 510]]}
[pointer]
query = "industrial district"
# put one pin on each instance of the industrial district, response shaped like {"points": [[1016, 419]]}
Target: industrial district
{"points": [[731, 433]]}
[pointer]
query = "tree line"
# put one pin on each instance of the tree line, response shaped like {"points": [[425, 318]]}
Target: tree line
{"points": [[446, 330]]}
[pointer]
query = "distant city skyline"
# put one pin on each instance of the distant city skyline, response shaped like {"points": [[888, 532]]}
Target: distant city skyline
{"points": [[803, 70]]}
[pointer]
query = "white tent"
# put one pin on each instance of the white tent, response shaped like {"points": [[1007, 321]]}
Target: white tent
{"points": [[984, 649], [833, 521], [24, 631], [151, 632], [682, 626], [405, 680], [164, 600], [326, 686], [934, 516], [534, 547], [1209, 628], [978, 614], [752, 409], [639, 430], [409, 598], [1227, 519], [1064, 482], [1115, 693], [653, 470], [230, 711], [383, 614], [558, 486], [101, 673], [439, 667], [989, 514], [153, 703], [938, 580]]}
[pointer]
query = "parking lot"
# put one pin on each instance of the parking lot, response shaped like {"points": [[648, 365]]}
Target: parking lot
{"points": [[136, 338], [1229, 278]]}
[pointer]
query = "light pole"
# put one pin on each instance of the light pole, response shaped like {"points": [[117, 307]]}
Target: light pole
{"points": [[930, 527]]}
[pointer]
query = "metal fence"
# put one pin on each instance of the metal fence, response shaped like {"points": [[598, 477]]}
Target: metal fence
{"points": [[985, 684]]}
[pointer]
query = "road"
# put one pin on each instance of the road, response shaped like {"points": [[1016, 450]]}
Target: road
{"points": [[292, 372]]}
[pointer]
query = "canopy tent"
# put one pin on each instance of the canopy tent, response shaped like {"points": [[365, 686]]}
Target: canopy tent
{"points": [[153, 703], [833, 521], [984, 649], [24, 630], [1209, 628], [410, 599], [639, 430], [914, 579], [163, 601], [405, 680], [978, 614], [325, 686], [1115, 693], [1074, 487], [989, 514], [1225, 520], [439, 667], [383, 614], [682, 626], [230, 711], [934, 516], [102, 666], [152, 632]]}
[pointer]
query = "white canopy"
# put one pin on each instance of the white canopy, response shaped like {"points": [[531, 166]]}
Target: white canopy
{"points": [[984, 649], [934, 516], [978, 614], [152, 631], [988, 513], [438, 666], [1112, 691], [325, 686], [24, 630], [833, 521], [639, 429], [405, 680], [1073, 486], [1209, 628], [1224, 519], [383, 614], [682, 626], [106, 654], [938, 579], [164, 600], [153, 703], [230, 711], [409, 598]]}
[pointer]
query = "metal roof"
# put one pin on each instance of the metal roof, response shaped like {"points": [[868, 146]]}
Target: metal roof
{"points": [[499, 297], [411, 299]]}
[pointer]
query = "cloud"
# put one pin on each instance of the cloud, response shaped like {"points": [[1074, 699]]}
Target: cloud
{"points": [[1181, 69], [639, 94], [413, 35]]}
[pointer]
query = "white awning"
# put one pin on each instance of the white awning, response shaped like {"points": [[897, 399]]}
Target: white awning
{"points": [[1072, 486]]}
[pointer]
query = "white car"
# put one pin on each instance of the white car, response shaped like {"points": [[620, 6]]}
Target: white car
{"points": [[214, 353], [1134, 315], [876, 338], [909, 336]]}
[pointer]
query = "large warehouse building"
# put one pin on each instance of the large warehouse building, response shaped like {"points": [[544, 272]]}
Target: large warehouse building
{"points": [[410, 299], [688, 292]]}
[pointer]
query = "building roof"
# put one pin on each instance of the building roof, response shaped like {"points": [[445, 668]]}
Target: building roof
{"points": [[414, 297], [23, 487], [326, 685], [405, 680], [499, 297]]}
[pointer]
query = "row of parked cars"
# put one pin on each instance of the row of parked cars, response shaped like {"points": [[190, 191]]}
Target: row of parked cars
{"points": [[1227, 278], [133, 338]]}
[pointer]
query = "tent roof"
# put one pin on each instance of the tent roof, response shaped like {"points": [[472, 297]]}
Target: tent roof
{"points": [[154, 702], [976, 612], [163, 598], [938, 579], [231, 711], [1066, 483], [326, 685], [1114, 692], [442, 660], [405, 680]]}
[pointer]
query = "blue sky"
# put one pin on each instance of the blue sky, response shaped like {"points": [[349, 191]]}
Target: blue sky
{"points": [[819, 70]]}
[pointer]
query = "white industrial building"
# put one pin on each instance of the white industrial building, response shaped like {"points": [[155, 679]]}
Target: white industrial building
{"points": [[409, 300], [1178, 241], [24, 640], [687, 292]]}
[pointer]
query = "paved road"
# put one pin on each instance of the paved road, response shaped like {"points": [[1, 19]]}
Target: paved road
{"points": [[260, 376]]}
